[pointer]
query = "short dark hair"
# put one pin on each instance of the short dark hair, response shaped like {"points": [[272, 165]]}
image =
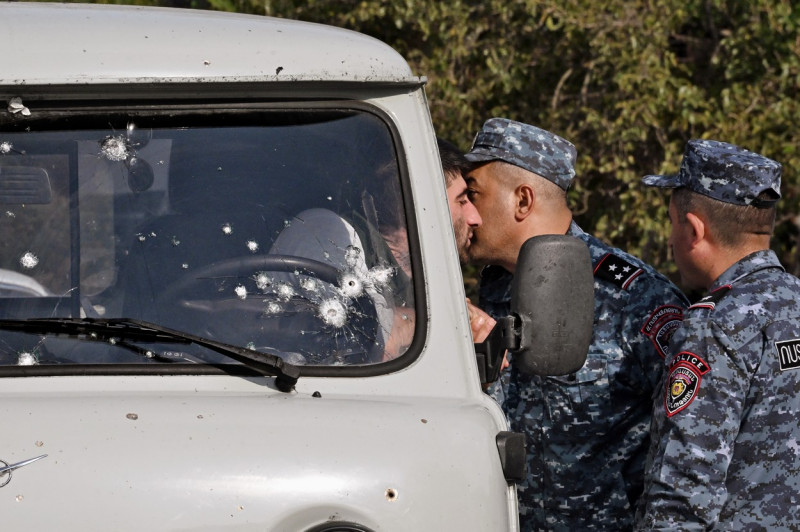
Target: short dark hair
{"points": [[729, 223], [453, 161]]}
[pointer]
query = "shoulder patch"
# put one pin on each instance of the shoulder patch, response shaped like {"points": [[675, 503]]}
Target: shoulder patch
{"points": [[686, 371], [660, 325], [616, 271], [710, 301], [788, 353]]}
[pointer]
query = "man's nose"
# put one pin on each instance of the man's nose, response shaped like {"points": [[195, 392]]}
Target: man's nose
{"points": [[471, 215]]}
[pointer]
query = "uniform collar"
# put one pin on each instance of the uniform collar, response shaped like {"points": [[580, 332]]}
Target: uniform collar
{"points": [[575, 230], [752, 263]]}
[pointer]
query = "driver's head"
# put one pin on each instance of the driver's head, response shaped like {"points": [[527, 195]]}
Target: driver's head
{"points": [[463, 213]]}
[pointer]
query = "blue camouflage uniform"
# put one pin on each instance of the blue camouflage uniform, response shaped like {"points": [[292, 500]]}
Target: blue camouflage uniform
{"points": [[725, 453], [587, 433]]}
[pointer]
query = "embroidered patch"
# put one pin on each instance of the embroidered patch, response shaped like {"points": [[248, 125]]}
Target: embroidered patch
{"points": [[789, 353], [710, 301], [685, 373], [661, 324], [617, 271]]}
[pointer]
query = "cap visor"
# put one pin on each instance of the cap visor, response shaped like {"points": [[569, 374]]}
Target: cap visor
{"points": [[663, 181], [478, 155]]}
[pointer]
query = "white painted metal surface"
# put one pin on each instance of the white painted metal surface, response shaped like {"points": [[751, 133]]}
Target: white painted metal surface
{"points": [[77, 43]]}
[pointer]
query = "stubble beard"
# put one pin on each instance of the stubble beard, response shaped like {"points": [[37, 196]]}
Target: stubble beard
{"points": [[475, 254], [462, 232]]}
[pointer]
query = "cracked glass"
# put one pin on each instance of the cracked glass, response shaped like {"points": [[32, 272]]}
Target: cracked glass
{"points": [[282, 231]]}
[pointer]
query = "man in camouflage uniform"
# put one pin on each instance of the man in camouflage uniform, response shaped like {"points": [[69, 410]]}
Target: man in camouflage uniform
{"points": [[725, 453], [587, 432]]}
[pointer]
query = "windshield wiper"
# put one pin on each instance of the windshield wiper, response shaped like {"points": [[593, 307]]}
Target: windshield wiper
{"points": [[286, 374]]}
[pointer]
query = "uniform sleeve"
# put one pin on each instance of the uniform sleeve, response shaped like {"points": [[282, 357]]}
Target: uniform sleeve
{"points": [[652, 316], [695, 423]]}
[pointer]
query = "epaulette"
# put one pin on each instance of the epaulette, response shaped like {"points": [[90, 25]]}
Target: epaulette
{"points": [[616, 271], [710, 301]]}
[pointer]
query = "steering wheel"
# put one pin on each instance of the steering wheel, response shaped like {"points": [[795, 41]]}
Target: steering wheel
{"points": [[194, 282], [254, 263]]}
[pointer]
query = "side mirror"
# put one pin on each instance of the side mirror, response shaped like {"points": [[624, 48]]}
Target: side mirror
{"points": [[552, 298]]}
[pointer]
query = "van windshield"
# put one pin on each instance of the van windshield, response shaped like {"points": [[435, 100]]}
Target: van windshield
{"points": [[282, 231]]}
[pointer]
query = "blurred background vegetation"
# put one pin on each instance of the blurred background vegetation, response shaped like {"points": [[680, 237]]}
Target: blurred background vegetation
{"points": [[628, 81]]}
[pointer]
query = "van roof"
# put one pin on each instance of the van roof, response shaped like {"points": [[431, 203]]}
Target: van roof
{"points": [[71, 44]]}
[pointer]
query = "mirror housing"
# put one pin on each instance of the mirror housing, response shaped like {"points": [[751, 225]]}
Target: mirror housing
{"points": [[552, 299]]}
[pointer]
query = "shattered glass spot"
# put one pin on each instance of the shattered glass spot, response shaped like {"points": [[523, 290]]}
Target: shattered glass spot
{"points": [[252, 245], [114, 148], [285, 291], [272, 308], [263, 281], [350, 285], [309, 285], [333, 313], [5, 147], [241, 292], [381, 275], [29, 260], [227, 229], [27, 359]]}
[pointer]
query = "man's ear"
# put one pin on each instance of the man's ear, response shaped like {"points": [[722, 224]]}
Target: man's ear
{"points": [[699, 228], [525, 200]]}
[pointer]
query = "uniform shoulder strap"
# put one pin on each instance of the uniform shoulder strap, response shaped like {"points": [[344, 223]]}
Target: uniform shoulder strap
{"points": [[617, 271], [710, 301]]}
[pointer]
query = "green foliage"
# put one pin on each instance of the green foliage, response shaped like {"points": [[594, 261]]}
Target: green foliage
{"points": [[628, 81]]}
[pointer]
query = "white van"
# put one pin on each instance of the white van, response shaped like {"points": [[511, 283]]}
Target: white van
{"points": [[229, 292]]}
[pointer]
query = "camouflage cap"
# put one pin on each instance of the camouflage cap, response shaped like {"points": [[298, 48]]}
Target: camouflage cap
{"points": [[526, 146], [724, 172]]}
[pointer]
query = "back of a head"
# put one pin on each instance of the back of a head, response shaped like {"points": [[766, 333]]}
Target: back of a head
{"points": [[731, 225], [454, 164], [734, 189]]}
